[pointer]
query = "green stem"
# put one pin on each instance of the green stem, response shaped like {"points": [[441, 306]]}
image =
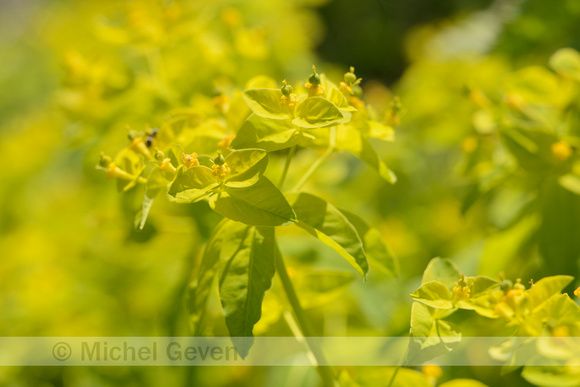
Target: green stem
{"points": [[286, 167], [402, 363], [325, 372], [318, 162]]}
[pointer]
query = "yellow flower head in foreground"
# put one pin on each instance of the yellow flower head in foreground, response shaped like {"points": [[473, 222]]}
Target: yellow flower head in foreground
{"points": [[461, 288], [190, 160]]}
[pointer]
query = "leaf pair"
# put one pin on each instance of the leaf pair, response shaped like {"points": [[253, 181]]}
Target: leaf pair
{"points": [[274, 126], [242, 258], [243, 195], [345, 232], [309, 113]]}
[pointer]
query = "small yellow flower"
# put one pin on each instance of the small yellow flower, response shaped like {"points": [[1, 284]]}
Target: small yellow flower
{"points": [[479, 98], [139, 146], [220, 170], [561, 150], [314, 90], [515, 101], [225, 142], [461, 288], [469, 144], [166, 166], [346, 88], [190, 160], [432, 371], [114, 172], [289, 101], [561, 331], [232, 17], [577, 292], [221, 102]]}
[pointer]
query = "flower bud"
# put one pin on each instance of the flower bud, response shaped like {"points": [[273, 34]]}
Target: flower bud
{"points": [[314, 78], [105, 160], [350, 77], [219, 159], [286, 89]]}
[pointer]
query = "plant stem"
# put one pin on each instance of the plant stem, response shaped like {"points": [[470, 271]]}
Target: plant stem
{"points": [[318, 162], [286, 167], [402, 363], [326, 373]]}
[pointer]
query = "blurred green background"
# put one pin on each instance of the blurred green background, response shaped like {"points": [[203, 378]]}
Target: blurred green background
{"points": [[76, 73]]}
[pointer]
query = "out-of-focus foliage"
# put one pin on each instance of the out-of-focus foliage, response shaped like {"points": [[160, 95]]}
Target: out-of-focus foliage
{"points": [[485, 157]]}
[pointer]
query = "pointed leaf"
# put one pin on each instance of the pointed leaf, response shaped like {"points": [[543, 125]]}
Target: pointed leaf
{"points": [[434, 294], [380, 131], [265, 133], [192, 184], [266, 103], [246, 165], [353, 141], [327, 223], [246, 276], [546, 288], [442, 270], [223, 244], [317, 112], [566, 61], [376, 250], [338, 99], [431, 337], [260, 204]]}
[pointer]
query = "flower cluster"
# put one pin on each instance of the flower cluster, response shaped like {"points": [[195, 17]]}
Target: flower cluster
{"points": [[461, 288]]}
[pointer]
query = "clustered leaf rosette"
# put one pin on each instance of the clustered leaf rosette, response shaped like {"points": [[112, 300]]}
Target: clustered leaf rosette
{"points": [[235, 188], [282, 119], [538, 311]]}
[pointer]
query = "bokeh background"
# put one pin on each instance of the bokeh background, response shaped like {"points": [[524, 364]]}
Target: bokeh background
{"points": [[75, 74]]}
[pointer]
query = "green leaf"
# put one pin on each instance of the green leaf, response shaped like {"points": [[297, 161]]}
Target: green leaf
{"points": [[222, 245], [319, 287], [562, 310], [260, 204], [566, 61], [557, 237], [237, 112], [481, 284], [317, 112], [246, 166], [571, 182], [327, 223], [546, 288], [353, 141], [434, 294], [338, 99], [155, 185], [246, 276], [549, 376], [380, 131], [192, 184], [531, 148], [377, 252], [265, 133], [266, 103], [431, 337], [441, 270]]}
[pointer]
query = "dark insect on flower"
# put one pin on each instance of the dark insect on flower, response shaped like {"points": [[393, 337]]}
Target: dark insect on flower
{"points": [[152, 133]]}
